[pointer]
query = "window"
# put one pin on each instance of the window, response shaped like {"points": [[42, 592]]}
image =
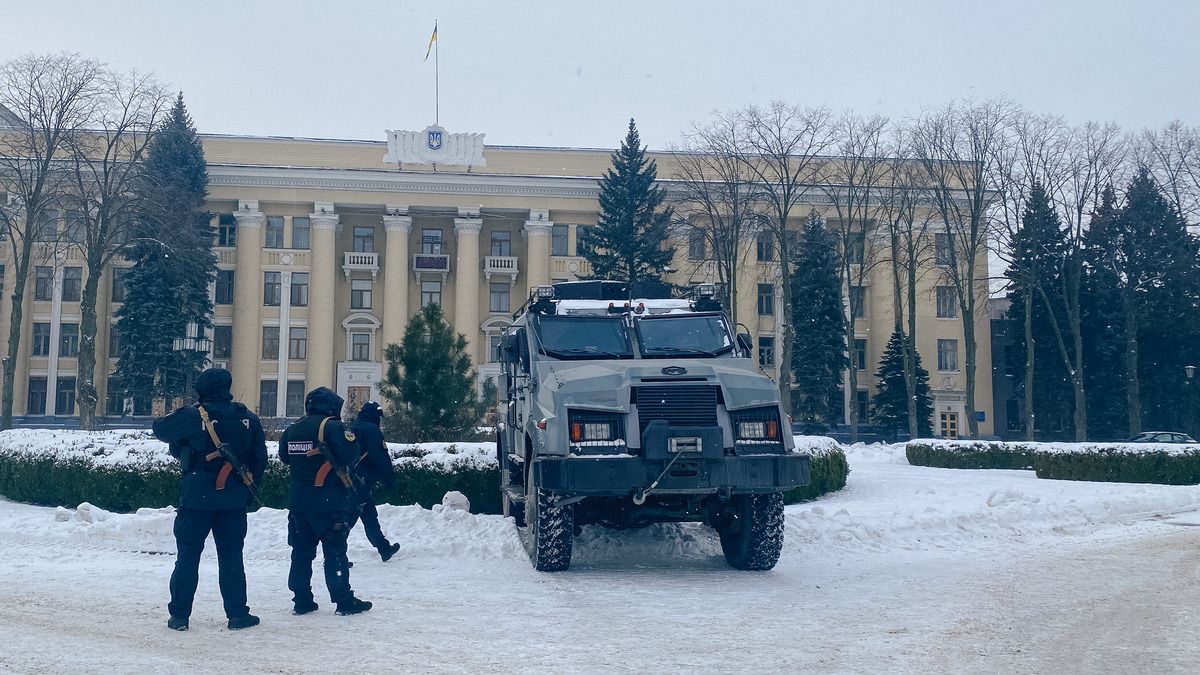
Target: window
{"points": [[946, 306], [114, 404], [272, 289], [943, 248], [300, 230], [766, 246], [501, 243], [697, 249], [858, 301], [114, 342], [295, 398], [41, 339], [297, 343], [299, 295], [766, 300], [75, 227], [360, 293], [860, 354], [558, 240], [72, 284], [47, 226], [64, 396], [224, 294], [268, 397], [274, 232], [1012, 414], [498, 297], [36, 405], [270, 343], [360, 346], [862, 401], [493, 353], [431, 242], [222, 342], [947, 355], [431, 293], [118, 284], [854, 248], [226, 230], [43, 285], [766, 352], [68, 340], [583, 238], [364, 239]]}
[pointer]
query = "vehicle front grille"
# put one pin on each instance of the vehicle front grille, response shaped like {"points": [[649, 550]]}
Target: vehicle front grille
{"points": [[680, 406]]}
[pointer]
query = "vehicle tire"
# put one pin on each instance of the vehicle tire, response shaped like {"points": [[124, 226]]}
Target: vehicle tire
{"points": [[551, 529], [753, 539]]}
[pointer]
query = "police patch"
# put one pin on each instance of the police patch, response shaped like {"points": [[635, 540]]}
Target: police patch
{"points": [[349, 436], [299, 447]]}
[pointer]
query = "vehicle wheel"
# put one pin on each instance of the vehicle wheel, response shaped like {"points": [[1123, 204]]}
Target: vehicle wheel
{"points": [[753, 539], [551, 529]]}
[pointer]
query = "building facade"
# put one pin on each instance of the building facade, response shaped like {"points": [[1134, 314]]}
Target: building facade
{"points": [[326, 248]]}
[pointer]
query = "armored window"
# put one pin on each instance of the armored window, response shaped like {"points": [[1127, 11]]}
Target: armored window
{"points": [[300, 230], [68, 340], [43, 285], [766, 246], [364, 239], [558, 240], [226, 230], [766, 299], [295, 398], [431, 242], [36, 403], [299, 289], [947, 355], [272, 289], [270, 342], [431, 293], [501, 243], [943, 246], [118, 284], [697, 248], [64, 396], [766, 352], [360, 346], [858, 301], [224, 289], [498, 297], [297, 343], [268, 397], [72, 284], [947, 308], [360, 293], [222, 342], [41, 339], [274, 232]]}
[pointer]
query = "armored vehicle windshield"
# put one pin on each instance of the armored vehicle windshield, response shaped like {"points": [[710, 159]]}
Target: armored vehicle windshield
{"points": [[674, 336], [583, 337]]}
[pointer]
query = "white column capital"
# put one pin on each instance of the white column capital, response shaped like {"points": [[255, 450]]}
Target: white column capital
{"points": [[399, 224], [248, 215], [468, 225], [538, 228], [324, 221]]}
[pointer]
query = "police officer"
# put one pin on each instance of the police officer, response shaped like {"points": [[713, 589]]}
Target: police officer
{"points": [[374, 465], [320, 453], [221, 448]]}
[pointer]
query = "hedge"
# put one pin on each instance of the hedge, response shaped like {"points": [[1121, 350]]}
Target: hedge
{"points": [[942, 454], [829, 472], [1121, 464]]}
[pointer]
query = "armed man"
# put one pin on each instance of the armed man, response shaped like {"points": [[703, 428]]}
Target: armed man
{"points": [[374, 465], [322, 501], [221, 448]]}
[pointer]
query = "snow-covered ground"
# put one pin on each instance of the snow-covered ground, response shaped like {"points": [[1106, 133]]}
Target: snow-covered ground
{"points": [[909, 569]]}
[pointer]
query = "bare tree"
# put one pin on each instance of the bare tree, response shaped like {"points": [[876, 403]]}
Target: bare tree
{"points": [[717, 195], [959, 145], [786, 142], [105, 165], [1173, 157], [851, 183], [49, 100]]}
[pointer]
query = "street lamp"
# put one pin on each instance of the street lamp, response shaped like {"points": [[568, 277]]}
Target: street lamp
{"points": [[1190, 371], [192, 343]]}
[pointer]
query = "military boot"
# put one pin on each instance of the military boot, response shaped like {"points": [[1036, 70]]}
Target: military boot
{"points": [[177, 623], [240, 622], [388, 551], [304, 607], [352, 606]]}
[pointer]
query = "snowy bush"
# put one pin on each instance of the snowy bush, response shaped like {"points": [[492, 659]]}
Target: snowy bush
{"points": [[829, 468], [943, 454], [1120, 463]]}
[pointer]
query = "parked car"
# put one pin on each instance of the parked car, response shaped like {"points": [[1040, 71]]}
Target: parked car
{"points": [[1162, 437]]}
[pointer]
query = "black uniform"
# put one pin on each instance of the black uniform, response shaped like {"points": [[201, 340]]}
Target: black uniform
{"points": [[214, 497], [374, 466], [321, 506]]}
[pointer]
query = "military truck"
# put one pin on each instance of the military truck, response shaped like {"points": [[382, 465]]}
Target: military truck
{"points": [[623, 410]]}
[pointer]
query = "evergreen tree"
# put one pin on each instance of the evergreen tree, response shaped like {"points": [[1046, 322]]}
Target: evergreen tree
{"points": [[627, 243], [1103, 328], [819, 350], [173, 265], [429, 384], [889, 408]]}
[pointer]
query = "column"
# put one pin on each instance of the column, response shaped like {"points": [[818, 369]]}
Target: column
{"points": [[321, 285], [397, 225], [466, 276], [55, 339], [285, 327], [537, 239], [247, 303]]}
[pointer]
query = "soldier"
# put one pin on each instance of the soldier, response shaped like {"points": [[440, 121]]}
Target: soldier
{"points": [[321, 501], [221, 448], [374, 464]]}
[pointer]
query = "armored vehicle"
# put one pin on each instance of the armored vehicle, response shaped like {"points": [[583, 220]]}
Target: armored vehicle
{"points": [[625, 412]]}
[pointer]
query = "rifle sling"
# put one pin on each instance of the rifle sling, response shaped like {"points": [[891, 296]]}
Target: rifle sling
{"points": [[223, 474], [328, 466]]}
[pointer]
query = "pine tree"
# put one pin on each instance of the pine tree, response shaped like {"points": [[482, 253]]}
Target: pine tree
{"points": [[819, 355], [1103, 327], [173, 265], [889, 408], [628, 242], [429, 384]]}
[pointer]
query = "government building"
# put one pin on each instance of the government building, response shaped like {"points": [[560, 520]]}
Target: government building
{"points": [[326, 248]]}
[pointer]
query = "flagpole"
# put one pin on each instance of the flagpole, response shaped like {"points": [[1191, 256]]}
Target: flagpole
{"points": [[436, 83]]}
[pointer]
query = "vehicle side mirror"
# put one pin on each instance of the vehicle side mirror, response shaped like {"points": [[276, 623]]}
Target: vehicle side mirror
{"points": [[744, 343]]}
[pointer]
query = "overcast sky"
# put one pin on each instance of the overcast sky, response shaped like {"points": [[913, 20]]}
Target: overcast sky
{"points": [[562, 73]]}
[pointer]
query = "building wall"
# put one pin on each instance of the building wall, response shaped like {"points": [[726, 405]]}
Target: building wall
{"points": [[524, 192]]}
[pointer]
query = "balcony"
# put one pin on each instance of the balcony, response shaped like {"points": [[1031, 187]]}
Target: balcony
{"points": [[500, 264], [430, 263], [357, 261]]}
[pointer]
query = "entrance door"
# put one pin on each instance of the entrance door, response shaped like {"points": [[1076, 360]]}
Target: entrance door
{"points": [[949, 424], [356, 398]]}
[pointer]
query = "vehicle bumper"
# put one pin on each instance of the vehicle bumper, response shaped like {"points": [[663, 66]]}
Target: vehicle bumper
{"points": [[623, 476]]}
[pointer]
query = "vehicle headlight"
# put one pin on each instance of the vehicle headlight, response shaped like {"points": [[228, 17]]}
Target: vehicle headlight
{"points": [[758, 424], [593, 427]]}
